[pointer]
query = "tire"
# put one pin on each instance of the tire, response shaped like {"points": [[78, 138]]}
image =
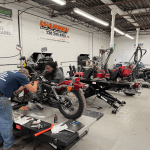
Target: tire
{"points": [[80, 100], [129, 94]]}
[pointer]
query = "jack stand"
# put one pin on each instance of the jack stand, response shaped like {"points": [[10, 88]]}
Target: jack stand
{"points": [[110, 100]]}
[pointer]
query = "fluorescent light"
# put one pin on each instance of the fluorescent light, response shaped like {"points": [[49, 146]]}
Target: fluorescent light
{"points": [[84, 13], [117, 30], [127, 35], [61, 2], [101, 22], [77, 10]]}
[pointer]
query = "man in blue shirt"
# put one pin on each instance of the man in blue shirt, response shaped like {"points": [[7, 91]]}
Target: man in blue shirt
{"points": [[11, 81]]}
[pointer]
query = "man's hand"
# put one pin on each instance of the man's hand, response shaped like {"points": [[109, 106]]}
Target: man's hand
{"points": [[20, 89], [36, 82], [32, 88], [52, 83], [32, 82]]}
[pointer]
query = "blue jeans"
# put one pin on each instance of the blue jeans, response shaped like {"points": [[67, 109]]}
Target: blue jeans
{"points": [[6, 122]]}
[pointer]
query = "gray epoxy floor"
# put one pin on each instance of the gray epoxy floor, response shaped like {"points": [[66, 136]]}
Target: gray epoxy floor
{"points": [[129, 129]]}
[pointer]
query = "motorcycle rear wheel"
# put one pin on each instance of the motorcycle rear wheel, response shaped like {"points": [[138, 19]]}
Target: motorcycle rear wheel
{"points": [[77, 101]]}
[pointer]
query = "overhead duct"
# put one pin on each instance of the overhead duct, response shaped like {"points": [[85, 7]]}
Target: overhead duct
{"points": [[142, 10], [43, 2], [120, 12]]}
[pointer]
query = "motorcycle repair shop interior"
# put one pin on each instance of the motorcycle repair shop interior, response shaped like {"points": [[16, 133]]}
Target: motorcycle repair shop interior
{"points": [[90, 61]]}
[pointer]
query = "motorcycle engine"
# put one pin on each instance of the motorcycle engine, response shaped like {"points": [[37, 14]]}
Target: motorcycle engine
{"points": [[39, 95]]}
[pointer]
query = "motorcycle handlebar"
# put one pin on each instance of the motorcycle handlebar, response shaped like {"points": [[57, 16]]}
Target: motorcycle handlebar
{"points": [[39, 77]]}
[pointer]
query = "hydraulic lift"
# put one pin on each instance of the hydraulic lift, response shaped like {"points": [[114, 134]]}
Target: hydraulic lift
{"points": [[65, 139], [98, 87]]}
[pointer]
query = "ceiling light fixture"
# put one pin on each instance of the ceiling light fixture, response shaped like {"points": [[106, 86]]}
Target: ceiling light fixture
{"points": [[117, 30], [77, 10], [127, 35], [101, 22], [61, 2]]}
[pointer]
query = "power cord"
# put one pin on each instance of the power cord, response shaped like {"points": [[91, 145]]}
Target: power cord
{"points": [[11, 56], [8, 64], [98, 107], [92, 102]]}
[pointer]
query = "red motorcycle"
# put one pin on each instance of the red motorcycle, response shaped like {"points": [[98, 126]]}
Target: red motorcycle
{"points": [[123, 73], [67, 95]]}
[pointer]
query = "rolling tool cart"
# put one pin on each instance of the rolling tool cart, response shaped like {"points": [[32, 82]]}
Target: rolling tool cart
{"points": [[63, 140]]}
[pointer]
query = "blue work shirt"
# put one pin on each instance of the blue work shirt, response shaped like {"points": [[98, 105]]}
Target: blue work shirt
{"points": [[11, 81]]}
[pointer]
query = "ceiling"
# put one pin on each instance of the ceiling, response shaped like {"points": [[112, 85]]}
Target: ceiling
{"points": [[138, 11]]}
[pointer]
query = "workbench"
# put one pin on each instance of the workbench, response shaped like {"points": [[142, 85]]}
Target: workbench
{"points": [[63, 140]]}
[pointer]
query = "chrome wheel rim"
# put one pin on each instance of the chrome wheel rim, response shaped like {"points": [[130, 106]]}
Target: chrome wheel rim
{"points": [[72, 105]]}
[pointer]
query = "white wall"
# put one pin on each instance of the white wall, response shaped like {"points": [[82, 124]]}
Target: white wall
{"points": [[80, 41], [125, 48], [8, 45]]}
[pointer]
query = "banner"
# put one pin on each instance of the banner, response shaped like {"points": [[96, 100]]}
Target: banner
{"points": [[52, 31], [6, 27]]}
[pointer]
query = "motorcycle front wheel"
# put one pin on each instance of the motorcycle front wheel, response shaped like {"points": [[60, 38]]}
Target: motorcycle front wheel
{"points": [[75, 104]]}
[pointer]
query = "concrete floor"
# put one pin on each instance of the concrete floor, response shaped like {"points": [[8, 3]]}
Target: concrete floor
{"points": [[129, 129]]}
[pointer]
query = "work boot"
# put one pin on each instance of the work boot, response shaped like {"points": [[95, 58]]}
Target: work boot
{"points": [[16, 147], [1, 143]]}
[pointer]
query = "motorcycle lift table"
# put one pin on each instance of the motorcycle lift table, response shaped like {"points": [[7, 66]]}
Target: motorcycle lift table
{"points": [[98, 87], [63, 140]]}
